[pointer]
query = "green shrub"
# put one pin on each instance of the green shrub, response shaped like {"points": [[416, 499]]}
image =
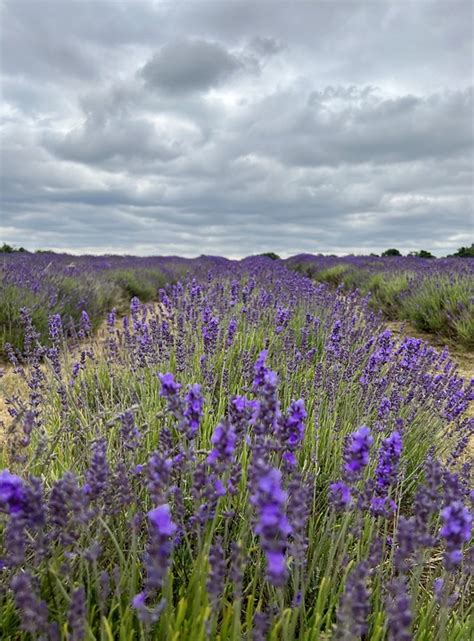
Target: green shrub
{"points": [[143, 284], [387, 291], [391, 252], [333, 275], [443, 304]]}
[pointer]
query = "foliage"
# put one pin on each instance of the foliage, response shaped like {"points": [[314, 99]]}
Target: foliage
{"points": [[271, 255], [254, 458], [465, 252], [391, 252]]}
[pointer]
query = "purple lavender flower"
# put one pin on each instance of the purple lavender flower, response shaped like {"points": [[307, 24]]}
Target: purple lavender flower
{"points": [[86, 326], [272, 526], [456, 530], [217, 571], [159, 473], [354, 608], [97, 476], [382, 506], [12, 492], [399, 612], [231, 331], [55, 327], [33, 611], [193, 412], [156, 560], [340, 495], [298, 510], [292, 428], [77, 615], [241, 413], [389, 458], [129, 432], [356, 452], [223, 440], [169, 387], [384, 408], [260, 370], [66, 509], [160, 518]]}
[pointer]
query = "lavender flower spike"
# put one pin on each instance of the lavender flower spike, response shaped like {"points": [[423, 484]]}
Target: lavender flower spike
{"points": [[356, 452], [456, 530], [12, 492], [272, 526]]}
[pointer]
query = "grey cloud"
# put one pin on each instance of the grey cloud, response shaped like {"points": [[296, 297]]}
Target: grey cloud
{"points": [[232, 128], [95, 143], [190, 65], [360, 128], [266, 46]]}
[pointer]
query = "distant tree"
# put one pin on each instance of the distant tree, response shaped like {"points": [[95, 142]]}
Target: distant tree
{"points": [[374, 255], [465, 252], [391, 252], [22, 250], [271, 255], [422, 254], [6, 249]]}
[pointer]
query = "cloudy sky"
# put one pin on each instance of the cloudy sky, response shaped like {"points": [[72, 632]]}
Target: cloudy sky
{"points": [[233, 127]]}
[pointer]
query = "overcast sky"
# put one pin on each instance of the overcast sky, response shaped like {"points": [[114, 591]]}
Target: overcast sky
{"points": [[237, 127]]}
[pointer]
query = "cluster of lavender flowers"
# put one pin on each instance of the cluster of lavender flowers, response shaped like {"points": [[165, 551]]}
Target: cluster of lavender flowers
{"points": [[252, 458]]}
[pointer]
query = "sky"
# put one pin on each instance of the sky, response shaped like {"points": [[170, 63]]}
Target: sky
{"points": [[234, 128]]}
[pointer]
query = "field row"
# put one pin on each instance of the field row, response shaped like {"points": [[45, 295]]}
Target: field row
{"points": [[256, 457]]}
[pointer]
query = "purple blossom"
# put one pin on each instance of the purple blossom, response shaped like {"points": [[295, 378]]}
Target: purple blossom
{"points": [[231, 331], [292, 428], [399, 613], [159, 473], [387, 466], [272, 525], [356, 452], [456, 530], [55, 327], [77, 615], [97, 476], [129, 433], [382, 506], [12, 491], [169, 387], [217, 572], [160, 518], [33, 611], [156, 560], [223, 440], [193, 412], [260, 370], [86, 326], [340, 495], [354, 607]]}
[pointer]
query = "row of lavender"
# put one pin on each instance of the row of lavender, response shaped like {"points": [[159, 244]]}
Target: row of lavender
{"points": [[49, 283], [254, 458], [435, 295]]}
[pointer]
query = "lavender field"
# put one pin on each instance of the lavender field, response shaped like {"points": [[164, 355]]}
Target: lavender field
{"points": [[214, 449]]}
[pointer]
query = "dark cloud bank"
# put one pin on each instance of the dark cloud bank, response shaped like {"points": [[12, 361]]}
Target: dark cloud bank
{"points": [[233, 128]]}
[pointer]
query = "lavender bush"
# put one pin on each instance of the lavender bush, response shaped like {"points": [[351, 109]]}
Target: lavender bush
{"points": [[435, 295], [253, 458]]}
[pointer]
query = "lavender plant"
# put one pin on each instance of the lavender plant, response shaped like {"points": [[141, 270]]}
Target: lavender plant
{"points": [[253, 458]]}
